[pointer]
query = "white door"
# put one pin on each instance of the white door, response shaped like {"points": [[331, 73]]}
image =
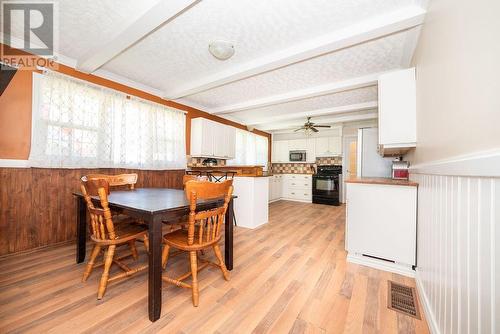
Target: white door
{"points": [[348, 162]]}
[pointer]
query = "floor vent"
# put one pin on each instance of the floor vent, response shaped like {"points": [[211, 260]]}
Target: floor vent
{"points": [[403, 298]]}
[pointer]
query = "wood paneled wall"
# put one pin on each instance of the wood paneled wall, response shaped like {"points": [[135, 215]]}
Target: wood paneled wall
{"points": [[37, 208], [458, 257]]}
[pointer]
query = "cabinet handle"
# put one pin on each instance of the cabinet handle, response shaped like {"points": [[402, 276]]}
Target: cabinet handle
{"points": [[293, 193], [305, 194]]}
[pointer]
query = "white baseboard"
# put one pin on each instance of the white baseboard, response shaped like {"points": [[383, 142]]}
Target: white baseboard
{"points": [[426, 306], [290, 199], [381, 265], [13, 163]]}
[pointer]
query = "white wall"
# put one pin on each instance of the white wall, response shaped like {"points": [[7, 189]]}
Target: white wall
{"points": [[458, 117], [458, 87]]}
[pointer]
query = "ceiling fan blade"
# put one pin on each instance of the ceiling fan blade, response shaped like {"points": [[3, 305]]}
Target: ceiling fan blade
{"points": [[323, 126], [315, 130], [302, 128]]}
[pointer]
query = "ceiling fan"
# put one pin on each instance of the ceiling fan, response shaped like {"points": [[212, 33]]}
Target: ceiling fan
{"points": [[309, 126]]}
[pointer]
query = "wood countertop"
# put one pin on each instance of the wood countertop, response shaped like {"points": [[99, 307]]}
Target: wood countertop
{"points": [[381, 180]]}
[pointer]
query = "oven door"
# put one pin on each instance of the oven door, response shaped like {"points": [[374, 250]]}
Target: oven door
{"points": [[326, 186]]}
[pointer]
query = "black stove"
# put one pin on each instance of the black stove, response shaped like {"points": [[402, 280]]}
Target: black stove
{"points": [[326, 185]]}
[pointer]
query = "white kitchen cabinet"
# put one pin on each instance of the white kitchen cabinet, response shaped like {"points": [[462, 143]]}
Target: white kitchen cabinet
{"points": [[251, 207], [397, 112], [211, 139], [297, 144], [275, 188], [280, 152], [297, 187], [381, 226], [328, 146], [311, 150]]}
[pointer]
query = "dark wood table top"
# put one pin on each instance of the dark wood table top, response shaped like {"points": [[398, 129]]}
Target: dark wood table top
{"points": [[151, 200]]}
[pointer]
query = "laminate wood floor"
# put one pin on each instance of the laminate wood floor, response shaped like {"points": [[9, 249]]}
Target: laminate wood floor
{"points": [[290, 276]]}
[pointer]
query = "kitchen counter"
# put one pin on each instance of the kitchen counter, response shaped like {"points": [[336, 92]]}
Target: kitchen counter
{"points": [[248, 171], [381, 180]]}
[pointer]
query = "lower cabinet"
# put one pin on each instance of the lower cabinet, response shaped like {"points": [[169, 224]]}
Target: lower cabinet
{"points": [[294, 187], [381, 226]]}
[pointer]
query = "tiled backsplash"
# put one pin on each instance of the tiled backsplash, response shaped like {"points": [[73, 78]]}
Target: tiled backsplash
{"points": [[291, 168]]}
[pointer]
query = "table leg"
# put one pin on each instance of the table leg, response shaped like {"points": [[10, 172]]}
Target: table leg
{"points": [[81, 229], [228, 237], [154, 278]]}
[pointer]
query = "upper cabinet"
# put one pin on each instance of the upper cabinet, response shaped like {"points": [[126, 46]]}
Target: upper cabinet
{"points": [[211, 139], [328, 146], [280, 151], [397, 112]]}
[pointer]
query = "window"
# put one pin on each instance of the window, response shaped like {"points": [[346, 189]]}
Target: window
{"points": [[80, 125], [251, 149]]}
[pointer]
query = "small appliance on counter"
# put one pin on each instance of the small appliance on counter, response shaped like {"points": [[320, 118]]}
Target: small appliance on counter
{"points": [[209, 162], [326, 185], [400, 169]]}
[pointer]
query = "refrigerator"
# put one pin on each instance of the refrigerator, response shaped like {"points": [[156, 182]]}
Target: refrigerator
{"points": [[369, 162]]}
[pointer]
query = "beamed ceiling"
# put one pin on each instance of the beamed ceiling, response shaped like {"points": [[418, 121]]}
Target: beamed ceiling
{"points": [[293, 58]]}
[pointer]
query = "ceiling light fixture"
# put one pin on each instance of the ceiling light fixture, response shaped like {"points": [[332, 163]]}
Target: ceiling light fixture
{"points": [[222, 50]]}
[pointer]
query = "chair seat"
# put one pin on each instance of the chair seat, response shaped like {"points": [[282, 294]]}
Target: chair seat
{"points": [[179, 239]]}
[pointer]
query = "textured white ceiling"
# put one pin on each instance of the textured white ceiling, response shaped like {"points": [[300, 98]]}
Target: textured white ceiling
{"points": [[354, 96], [178, 52], [375, 56]]}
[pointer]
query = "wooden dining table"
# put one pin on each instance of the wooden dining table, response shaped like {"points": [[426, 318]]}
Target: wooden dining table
{"points": [[155, 206]]}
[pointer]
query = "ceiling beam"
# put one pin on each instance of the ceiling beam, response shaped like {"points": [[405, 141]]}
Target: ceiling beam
{"points": [[332, 120], [300, 94], [162, 12], [314, 113], [364, 31]]}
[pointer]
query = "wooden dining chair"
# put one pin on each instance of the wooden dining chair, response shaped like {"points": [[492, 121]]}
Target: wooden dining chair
{"points": [[203, 232], [115, 181], [108, 236], [120, 182]]}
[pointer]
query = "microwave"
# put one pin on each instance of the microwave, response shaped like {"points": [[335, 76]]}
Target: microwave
{"points": [[297, 156]]}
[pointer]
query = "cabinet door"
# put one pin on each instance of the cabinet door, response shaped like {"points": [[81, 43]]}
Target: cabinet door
{"points": [[274, 152], [297, 144], [219, 142], [282, 148], [229, 142], [321, 146], [311, 150], [207, 138], [335, 145], [279, 186], [397, 108]]}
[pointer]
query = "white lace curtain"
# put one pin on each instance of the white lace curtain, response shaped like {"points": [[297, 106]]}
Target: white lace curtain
{"points": [[81, 125], [251, 149]]}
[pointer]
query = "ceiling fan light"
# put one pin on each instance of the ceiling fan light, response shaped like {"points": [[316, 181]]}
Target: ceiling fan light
{"points": [[222, 50]]}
